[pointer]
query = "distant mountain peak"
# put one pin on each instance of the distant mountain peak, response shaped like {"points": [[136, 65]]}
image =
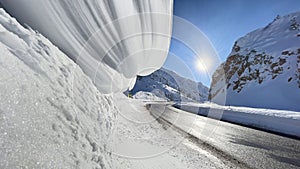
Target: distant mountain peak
{"points": [[263, 69], [169, 85]]}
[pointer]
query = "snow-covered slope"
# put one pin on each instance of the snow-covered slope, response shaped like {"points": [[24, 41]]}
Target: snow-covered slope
{"points": [[147, 96], [263, 69], [169, 85], [51, 114], [111, 40]]}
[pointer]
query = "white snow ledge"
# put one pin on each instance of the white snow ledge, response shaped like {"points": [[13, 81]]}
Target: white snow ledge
{"points": [[111, 40]]}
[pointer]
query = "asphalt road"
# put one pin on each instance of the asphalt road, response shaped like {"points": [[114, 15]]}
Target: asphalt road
{"points": [[247, 147]]}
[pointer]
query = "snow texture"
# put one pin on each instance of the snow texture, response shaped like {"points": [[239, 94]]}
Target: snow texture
{"points": [[263, 69], [113, 41], [51, 114]]}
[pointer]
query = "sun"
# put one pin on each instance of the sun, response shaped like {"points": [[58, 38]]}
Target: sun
{"points": [[200, 66]]}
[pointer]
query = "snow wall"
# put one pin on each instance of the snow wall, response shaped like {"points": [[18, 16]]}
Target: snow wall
{"points": [[113, 41]]}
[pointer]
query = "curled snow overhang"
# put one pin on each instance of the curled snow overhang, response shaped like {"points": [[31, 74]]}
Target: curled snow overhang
{"points": [[111, 40]]}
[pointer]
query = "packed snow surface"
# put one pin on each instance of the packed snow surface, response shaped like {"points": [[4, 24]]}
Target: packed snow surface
{"points": [[263, 69], [113, 41]]}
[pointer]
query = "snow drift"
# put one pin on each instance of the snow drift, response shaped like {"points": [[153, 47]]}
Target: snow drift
{"points": [[111, 40], [263, 69]]}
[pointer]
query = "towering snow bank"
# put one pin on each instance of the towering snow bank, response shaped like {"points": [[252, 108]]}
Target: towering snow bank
{"points": [[51, 114], [111, 40], [263, 69]]}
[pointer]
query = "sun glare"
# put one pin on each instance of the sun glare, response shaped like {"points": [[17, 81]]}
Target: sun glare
{"points": [[200, 66]]}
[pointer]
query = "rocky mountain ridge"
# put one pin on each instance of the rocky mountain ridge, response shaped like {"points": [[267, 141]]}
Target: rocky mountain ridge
{"points": [[263, 65]]}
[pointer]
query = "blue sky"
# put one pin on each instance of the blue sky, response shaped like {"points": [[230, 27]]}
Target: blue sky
{"points": [[223, 22]]}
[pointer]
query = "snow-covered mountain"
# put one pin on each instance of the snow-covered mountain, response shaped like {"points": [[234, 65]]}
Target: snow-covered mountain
{"points": [[169, 85], [263, 69], [113, 41]]}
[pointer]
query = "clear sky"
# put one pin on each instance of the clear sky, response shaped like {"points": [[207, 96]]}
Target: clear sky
{"points": [[223, 22]]}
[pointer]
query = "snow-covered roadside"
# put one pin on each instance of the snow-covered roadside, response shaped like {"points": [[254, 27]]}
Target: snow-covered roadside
{"points": [[260, 111], [51, 114], [279, 121], [140, 141]]}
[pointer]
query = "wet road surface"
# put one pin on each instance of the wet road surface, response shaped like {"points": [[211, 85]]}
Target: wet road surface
{"points": [[249, 147]]}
